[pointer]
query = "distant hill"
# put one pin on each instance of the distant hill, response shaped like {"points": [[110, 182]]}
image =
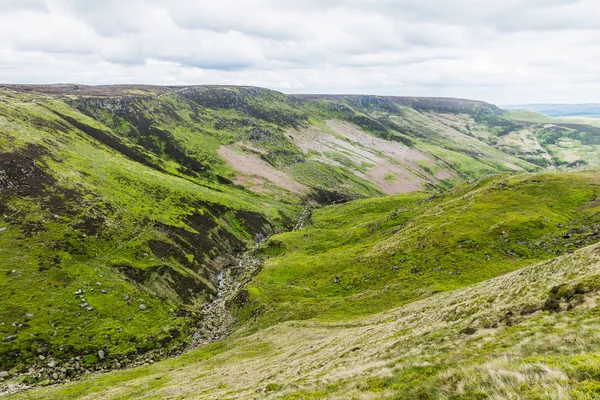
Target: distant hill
{"points": [[560, 110]]}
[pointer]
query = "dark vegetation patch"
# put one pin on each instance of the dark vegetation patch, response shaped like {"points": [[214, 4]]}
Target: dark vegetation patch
{"points": [[21, 174], [187, 287], [255, 223], [326, 197], [32, 228], [91, 224], [256, 102]]}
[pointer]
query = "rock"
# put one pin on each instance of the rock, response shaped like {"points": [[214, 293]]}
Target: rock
{"points": [[9, 338], [28, 315], [4, 374], [77, 366], [469, 330], [89, 308], [99, 283], [52, 364], [395, 268], [42, 357], [142, 306], [2, 229], [79, 292], [55, 376], [337, 278], [126, 297], [551, 305], [104, 291], [415, 270], [101, 354]]}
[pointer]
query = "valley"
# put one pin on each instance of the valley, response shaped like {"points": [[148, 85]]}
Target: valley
{"points": [[238, 242]]}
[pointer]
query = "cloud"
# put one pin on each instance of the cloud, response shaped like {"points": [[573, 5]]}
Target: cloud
{"points": [[513, 51]]}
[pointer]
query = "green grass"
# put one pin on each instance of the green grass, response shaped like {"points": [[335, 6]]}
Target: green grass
{"points": [[370, 255]]}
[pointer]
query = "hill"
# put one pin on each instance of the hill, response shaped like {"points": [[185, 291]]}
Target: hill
{"points": [[370, 255]]}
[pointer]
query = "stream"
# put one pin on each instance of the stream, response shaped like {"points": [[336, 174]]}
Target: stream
{"points": [[217, 320]]}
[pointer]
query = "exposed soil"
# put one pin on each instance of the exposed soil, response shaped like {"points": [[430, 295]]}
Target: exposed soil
{"points": [[361, 147], [403, 182], [394, 150], [251, 164]]}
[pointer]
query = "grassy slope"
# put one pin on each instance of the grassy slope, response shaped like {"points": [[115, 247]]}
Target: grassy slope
{"points": [[81, 216], [531, 333], [188, 125], [369, 255]]}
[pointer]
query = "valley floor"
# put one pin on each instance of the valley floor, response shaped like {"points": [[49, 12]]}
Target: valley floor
{"points": [[532, 333]]}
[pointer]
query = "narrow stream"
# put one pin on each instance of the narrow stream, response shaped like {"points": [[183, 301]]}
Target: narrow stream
{"points": [[217, 319]]}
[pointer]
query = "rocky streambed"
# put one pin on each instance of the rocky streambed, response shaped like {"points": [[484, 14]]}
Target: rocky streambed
{"points": [[217, 319], [214, 323]]}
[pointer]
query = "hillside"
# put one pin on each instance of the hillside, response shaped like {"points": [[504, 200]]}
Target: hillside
{"points": [[370, 255], [126, 213], [103, 249]]}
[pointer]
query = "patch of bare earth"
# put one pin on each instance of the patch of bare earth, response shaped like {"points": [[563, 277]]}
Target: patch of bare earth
{"points": [[403, 182], [385, 157], [394, 150], [254, 172]]}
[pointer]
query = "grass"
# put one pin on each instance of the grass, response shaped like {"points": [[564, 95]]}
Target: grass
{"points": [[370, 255]]}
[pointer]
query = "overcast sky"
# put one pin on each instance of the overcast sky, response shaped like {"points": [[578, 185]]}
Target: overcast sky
{"points": [[502, 51]]}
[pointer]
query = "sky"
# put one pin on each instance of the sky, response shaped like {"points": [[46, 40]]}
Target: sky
{"points": [[501, 51]]}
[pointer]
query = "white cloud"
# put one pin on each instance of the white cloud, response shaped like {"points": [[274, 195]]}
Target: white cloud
{"points": [[512, 51]]}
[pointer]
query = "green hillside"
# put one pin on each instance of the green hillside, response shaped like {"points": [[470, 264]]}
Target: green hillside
{"points": [[371, 255], [103, 253]]}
